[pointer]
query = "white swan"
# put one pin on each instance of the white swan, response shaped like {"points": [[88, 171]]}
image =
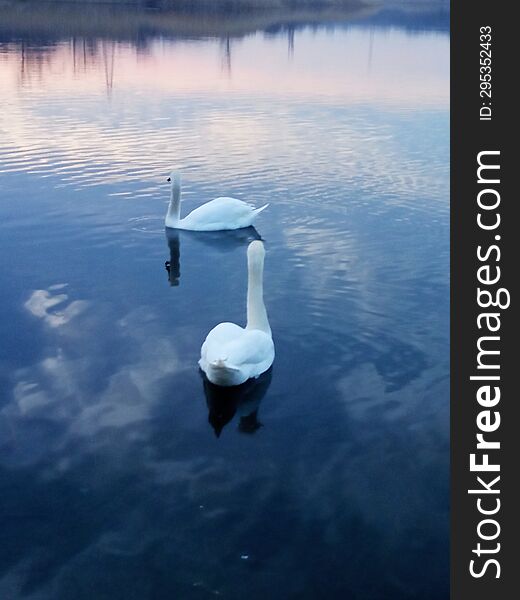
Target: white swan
{"points": [[231, 355], [217, 215]]}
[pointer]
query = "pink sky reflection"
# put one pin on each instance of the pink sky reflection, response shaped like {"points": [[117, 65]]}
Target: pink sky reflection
{"points": [[388, 67]]}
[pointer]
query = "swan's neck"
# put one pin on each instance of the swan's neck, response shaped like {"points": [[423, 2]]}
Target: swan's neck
{"points": [[256, 313], [174, 208]]}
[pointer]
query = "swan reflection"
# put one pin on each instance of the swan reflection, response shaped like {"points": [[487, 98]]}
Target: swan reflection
{"points": [[244, 400], [223, 241], [173, 266]]}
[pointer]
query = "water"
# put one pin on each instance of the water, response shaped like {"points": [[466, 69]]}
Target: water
{"points": [[329, 475]]}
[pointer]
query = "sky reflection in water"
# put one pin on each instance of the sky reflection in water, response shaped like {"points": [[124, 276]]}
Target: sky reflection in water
{"points": [[329, 477]]}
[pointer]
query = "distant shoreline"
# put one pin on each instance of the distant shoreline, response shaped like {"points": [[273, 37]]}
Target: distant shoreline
{"points": [[110, 18], [229, 6], [140, 19], [211, 5]]}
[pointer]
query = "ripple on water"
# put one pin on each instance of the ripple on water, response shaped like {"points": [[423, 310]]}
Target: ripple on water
{"points": [[147, 224]]}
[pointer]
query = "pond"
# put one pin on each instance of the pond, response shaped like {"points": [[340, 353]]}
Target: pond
{"points": [[122, 474]]}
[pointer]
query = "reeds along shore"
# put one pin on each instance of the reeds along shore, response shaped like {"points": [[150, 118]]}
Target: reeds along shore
{"points": [[217, 5], [122, 20]]}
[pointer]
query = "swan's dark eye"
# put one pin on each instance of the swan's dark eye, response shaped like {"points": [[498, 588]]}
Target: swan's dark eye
{"points": [[169, 179]]}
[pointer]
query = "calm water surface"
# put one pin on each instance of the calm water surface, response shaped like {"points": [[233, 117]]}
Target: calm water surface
{"points": [[122, 475]]}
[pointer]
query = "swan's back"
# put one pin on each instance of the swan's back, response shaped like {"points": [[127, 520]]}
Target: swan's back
{"points": [[231, 354], [221, 213]]}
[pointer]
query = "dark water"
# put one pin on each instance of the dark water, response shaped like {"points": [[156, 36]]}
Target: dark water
{"points": [[329, 478]]}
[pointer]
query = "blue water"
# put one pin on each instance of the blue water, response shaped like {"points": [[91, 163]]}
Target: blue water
{"points": [[122, 475]]}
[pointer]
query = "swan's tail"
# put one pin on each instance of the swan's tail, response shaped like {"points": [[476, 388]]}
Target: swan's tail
{"points": [[259, 210], [222, 364], [220, 372]]}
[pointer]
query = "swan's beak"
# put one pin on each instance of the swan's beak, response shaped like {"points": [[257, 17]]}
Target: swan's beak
{"points": [[169, 179]]}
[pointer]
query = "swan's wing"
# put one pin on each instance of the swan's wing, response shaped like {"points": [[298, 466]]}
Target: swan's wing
{"points": [[222, 333], [228, 203], [220, 213], [250, 350], [213, 347], [239, 206]]}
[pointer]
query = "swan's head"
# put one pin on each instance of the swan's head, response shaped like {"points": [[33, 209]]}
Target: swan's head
{"points": [[256, 252], [174, 178]]}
